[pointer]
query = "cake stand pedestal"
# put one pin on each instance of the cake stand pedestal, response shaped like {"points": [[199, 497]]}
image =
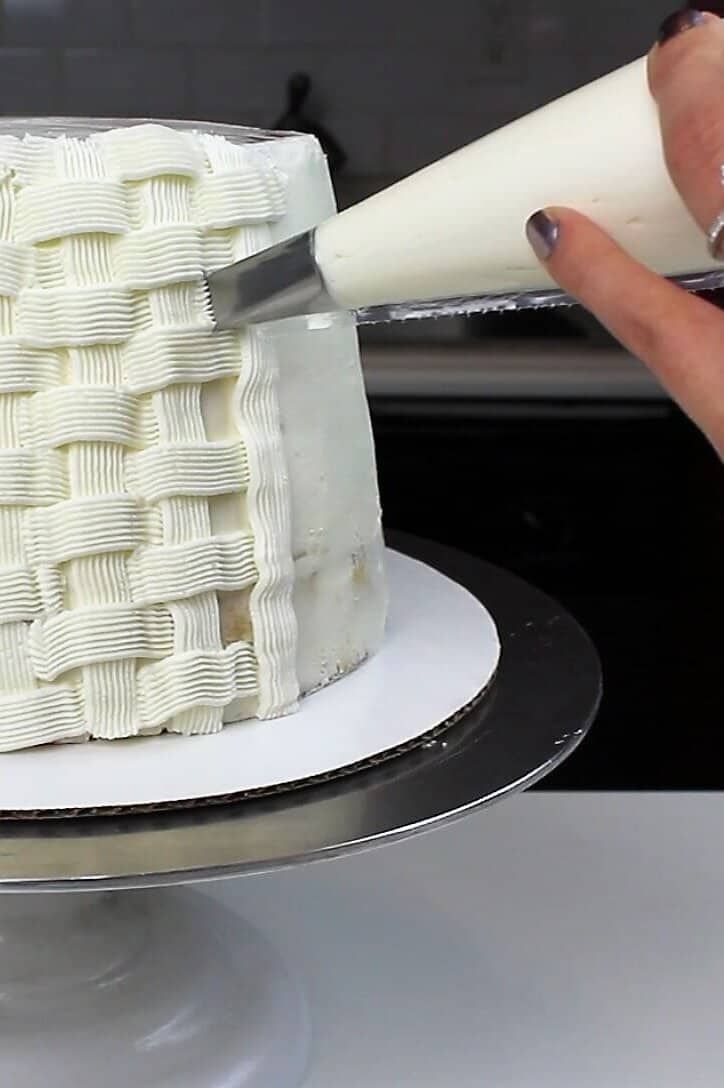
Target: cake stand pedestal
{"points": [[143, 988], [133, 983]]}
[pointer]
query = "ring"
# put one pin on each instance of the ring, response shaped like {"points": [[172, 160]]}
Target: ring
{"points": [[714, 237]]}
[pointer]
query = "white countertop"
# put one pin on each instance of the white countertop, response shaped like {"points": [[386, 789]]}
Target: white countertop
{"points": [[553, 941], [534, 370]]}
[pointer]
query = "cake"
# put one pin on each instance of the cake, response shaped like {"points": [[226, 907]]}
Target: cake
{"points": [[189, 519]]}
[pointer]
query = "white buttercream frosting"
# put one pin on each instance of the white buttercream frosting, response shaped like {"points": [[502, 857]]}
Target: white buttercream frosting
{"points": [[146, 573]]}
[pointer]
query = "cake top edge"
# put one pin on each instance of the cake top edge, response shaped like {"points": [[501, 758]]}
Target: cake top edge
{"points": [[81, 127]]}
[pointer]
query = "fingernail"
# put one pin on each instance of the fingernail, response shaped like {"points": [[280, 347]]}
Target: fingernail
{"points": [[543, 232], [678, 23]]}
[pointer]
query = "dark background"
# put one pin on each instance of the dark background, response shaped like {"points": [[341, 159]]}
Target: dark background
{"points": [[619, 513]]}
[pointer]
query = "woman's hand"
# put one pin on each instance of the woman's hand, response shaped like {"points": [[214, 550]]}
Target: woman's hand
{"points": [[679, 336]]}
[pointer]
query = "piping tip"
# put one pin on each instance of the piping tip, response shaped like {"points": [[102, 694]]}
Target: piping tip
{"points": [[280, 282]]}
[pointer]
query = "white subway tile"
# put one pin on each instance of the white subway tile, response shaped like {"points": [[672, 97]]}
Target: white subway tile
{"points": [[626, 32], [125, 82], [361, 136], [411, 42], [245, 86], [29, 82], [351, 80], [398, 82], [381, 22], [196, 22], [416, 140], [65, 22], [569, 46]]}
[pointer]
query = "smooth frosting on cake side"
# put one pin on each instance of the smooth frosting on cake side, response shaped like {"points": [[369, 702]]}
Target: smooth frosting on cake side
{"points": [[189, 520], [340, 594]]}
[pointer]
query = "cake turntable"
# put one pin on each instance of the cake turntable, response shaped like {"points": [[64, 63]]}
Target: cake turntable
{"points": [[133, 981]]}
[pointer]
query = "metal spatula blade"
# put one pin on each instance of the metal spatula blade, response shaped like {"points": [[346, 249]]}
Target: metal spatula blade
{"points": [[507, 302]]}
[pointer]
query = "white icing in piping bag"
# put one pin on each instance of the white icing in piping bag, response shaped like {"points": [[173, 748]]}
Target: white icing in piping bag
{"points": [[451, 238]]}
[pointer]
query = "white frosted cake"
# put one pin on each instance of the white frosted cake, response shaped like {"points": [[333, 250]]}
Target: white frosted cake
{"points": [[189, 520]]}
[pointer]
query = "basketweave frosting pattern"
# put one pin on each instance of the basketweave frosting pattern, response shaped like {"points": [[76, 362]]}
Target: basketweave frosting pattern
{"points": [[145, 566]]}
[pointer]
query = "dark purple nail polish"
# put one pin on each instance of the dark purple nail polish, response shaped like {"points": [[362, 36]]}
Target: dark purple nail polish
{"points": [[543, 232], [677, 23]]}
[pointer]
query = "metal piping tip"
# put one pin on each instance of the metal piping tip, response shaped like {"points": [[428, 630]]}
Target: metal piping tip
{"points": [[283, 281]]}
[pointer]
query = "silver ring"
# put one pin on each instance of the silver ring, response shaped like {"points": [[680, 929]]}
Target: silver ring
{"points": [[714, 237]]}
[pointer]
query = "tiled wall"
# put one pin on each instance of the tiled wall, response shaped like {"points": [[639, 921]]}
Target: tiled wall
{"points": [[398, 82]]}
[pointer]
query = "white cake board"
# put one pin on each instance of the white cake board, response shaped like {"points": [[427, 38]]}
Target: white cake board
{"points": [[409, 688]]}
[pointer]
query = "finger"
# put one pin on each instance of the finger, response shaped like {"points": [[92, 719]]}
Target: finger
{"points": [[686, 76], [679, 336]]}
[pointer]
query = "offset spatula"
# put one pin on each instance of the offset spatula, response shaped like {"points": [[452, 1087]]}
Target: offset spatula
{"points": [[450, 239]]}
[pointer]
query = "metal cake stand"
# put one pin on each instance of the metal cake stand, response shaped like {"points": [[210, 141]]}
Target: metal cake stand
{"points": [[129, 984]]}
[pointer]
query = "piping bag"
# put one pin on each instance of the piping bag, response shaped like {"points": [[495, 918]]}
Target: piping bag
{"points": [[451, 239]]}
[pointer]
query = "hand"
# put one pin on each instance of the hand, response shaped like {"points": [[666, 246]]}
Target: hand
{"points": [[679, 336]]}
